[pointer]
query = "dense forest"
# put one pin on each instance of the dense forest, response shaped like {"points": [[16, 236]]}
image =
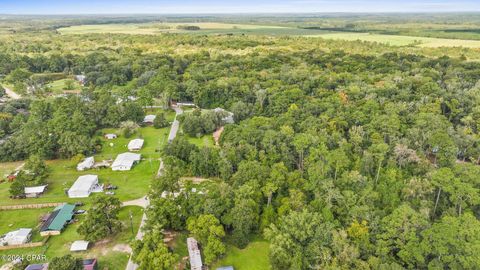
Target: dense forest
{"points": [[344, 155]]}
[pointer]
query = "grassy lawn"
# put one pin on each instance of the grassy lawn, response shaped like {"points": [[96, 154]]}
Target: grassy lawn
{"points": [[206, 140], [131, 184], [106, 251], [397, 40], [58, 86], [253, 257]]}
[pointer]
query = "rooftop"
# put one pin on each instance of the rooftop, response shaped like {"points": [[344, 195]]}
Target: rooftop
{"points": [[84, 182], [57, 219], [135, 144]]}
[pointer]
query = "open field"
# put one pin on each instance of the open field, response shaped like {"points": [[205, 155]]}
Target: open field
{"points": [[205, 28], [57, 87], [253, 257], [397, 40], [251, 29]]}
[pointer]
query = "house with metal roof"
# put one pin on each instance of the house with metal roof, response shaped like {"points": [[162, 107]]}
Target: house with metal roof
{"points": [[18, 237], [57, 220], [84, 185], [149, 119], [125, 161], [135, 145], [86, 164], [34, 192], [79, 245]]}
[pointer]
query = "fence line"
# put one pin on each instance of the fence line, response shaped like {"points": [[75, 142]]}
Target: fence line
{"points": [[27, 245], [30, 206]]}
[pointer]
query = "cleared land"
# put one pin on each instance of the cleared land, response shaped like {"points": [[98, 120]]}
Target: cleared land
{"points": [[397, 40], [253, 257], [251, 29]]}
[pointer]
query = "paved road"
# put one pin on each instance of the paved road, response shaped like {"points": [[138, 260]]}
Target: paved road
{"points": [[11, 94], [175, 124]]}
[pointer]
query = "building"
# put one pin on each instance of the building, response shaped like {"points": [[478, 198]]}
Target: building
{"points": [[18, 237], [84, 185], [135, 145], [125, 161], [227, 117], [57, 220], [35, 192], [86, 164], [90, 264], [82, 79], [79, 245], [40, 266], [110, 136], [194, 254], [149, 119]]}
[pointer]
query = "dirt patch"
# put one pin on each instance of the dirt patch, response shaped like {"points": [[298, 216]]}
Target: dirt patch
{"points": [[217, 134], [122, 248]]}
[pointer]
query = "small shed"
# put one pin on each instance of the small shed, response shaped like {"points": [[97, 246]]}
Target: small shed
{"points": [[135, 145], [227, 117], [18, 237], [79, 245], [225, 268], [149, 119], [84, 185], [90, 264], [86, 164], [38, 266], [110, 136], [35, 192]]}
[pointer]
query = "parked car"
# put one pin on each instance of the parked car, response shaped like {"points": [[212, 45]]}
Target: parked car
{"points": [[79, 212], [110, 187], [78, 204], [110, 193]]}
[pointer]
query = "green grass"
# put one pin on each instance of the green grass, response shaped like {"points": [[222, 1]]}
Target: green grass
{"points": [[28, 218], [204, 141], [57, 87], [253, 257], [397, 40], [59, 245], [132, 184]]}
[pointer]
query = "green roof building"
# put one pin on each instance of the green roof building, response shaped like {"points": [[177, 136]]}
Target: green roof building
{"points": [[57, 220]]}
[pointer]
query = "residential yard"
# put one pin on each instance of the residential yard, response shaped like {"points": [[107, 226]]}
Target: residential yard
{"points": [[253, 257], [204, 141], [58, 86], [111, 252], [131, 184], [11, 220]]}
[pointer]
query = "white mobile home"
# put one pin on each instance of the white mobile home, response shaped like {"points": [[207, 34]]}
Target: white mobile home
{"points": [[125, 161], [149, 119], [18, 237], [135, 145], [86, 164], [34, 192], [84, 185]]}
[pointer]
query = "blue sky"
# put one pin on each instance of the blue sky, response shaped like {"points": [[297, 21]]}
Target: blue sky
{"points": [[230, 6]]}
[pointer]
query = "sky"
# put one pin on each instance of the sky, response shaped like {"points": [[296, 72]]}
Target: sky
{"points": [[230, 6]]}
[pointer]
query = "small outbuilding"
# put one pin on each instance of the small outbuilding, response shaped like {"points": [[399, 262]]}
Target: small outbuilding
{"points": [[194, 254], [149, 119], [86, 164], [18, 237], [225, 268], [135, 145], [37, 266], [227, 117], [79, 245], [57, 220], [110, 136], [84, 185], [125, 161], [35, 192], [90, 264]]}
